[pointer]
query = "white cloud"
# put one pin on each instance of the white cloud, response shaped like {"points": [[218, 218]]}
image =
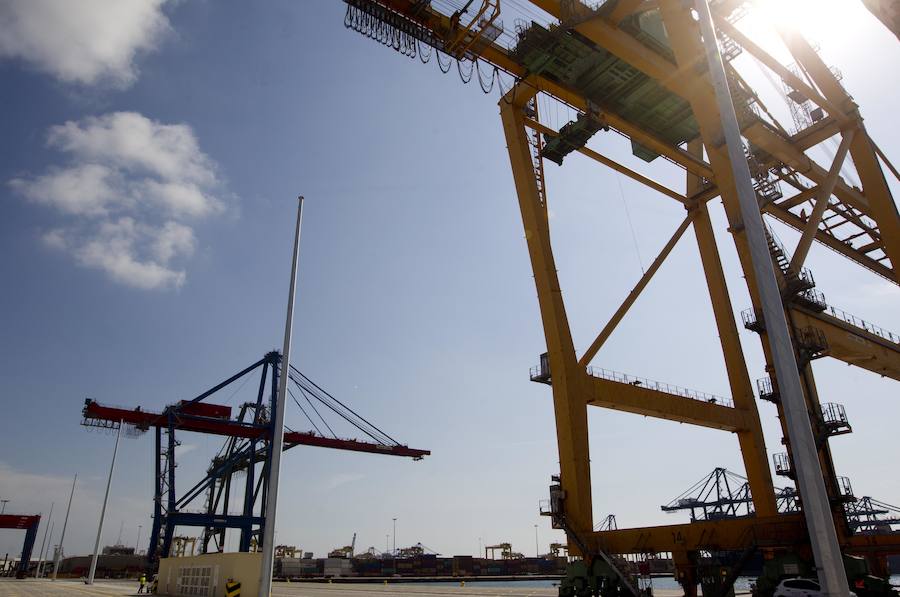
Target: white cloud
{"points": [[127, 190], [137, 144], [179, 198], [81, 190], [83, 41], [116, 249], [172, 239]]}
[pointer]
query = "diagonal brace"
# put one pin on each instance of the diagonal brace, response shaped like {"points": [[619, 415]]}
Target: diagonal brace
{"points": [[822, 201], [635, 293]]}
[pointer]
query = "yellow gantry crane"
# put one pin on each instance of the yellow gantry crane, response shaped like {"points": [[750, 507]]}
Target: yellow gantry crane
{"points": [[505, 549], [639, 68]]}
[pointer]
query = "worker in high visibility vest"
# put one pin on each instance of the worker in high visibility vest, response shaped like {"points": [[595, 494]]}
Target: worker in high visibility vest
{"points": [[143, 583]]}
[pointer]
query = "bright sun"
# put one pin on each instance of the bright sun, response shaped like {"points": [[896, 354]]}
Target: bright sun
{"points": [[827, 22]]}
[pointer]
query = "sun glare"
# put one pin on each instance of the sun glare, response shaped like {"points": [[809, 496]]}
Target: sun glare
{"points": [[830, 23]]}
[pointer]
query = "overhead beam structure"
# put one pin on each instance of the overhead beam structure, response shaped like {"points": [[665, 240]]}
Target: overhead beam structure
{"points": [[638, 68]]}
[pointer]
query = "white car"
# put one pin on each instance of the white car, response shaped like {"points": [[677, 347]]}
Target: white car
{"points": [[800, 587]]}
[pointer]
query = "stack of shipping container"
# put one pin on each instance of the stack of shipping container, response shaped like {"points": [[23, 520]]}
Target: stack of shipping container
{"points": [[422, 566]]}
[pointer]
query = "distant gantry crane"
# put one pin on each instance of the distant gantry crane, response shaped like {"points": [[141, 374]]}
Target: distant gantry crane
{"points": [[28, 523], [245, 453], [725, 495], [505, 549], [639, 69], [344, 552]]}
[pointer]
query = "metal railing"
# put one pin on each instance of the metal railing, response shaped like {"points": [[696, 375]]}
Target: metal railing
{"points": [[782, 464], [813, 299], [845, 488], [834, 414], [650, 384], [861, 323], [752, 320], [766, 389], [544, 507], [539, 373]]}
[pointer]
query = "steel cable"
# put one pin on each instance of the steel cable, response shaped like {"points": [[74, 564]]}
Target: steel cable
{"points": [[371, 431]]}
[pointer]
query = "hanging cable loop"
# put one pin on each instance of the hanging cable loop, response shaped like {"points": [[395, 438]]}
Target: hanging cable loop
{"points": [[441, 64], [465, 78], [490, 87]]}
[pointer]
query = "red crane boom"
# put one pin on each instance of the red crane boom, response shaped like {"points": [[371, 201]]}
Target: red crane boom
{"points": [[223, 426]]}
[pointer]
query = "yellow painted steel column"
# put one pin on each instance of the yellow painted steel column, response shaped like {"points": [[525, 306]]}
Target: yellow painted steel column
{"points": [[569, 380], [724, 139], [751, 439]]}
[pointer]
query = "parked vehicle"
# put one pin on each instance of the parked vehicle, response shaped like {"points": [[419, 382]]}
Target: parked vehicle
{"points": [[800, 587]]}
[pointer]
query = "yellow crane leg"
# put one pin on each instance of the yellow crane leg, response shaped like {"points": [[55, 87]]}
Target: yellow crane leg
{"points": [[750, 438], [568, 378]]}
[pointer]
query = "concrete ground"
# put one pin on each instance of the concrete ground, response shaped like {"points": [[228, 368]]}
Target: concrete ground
{"points": [[30, 587], [71, 588]]}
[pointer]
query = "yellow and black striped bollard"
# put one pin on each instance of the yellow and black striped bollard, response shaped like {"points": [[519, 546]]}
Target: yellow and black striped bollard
{"points": [[232, 588]]}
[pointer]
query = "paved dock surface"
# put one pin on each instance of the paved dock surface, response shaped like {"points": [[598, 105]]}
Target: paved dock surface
{"points": [[30, 587], [69, 588]]}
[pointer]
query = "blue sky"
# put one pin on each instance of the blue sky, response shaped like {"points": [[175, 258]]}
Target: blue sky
{"points": [[150, 164]]}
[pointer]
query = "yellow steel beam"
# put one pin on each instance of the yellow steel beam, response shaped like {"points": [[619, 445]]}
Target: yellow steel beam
{"points": [[733, 534], [765, 138], [499, 57], [801, 197], [851, 343], [764, 532], [771, 142], [822, 201], [568, 378], [682, 81], [641, 400], [816, 133], [884, 159], [881, 202], [779, 69], [623, 8], [599, 157], [751, 439], [881, 543], [607, 330], [833, 243]]}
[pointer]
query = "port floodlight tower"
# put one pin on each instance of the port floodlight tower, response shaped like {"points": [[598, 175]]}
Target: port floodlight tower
{"points": [[664, 74]]}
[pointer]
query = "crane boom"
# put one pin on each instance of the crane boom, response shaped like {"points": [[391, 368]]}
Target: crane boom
{"points": [[217, 426]]}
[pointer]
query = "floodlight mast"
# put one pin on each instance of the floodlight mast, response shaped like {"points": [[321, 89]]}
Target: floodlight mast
{"points": [[112, 468], [268, 543]]}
